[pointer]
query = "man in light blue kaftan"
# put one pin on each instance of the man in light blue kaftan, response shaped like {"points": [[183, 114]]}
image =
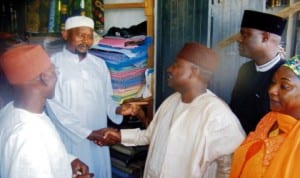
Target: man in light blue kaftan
{"points": [[83, 92]]}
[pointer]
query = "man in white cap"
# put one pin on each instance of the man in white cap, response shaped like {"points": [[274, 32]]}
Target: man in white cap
{"points": [[84, 89], [29, 143]]}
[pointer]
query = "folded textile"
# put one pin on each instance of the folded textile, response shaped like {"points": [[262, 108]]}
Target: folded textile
{"points": [[134, 30], [128, 91], [120, 42], [123, 94], [128, 159], [130, 150], [128, 73], [119, 173], [118, 60], [117, 68], [117, 84], [133, 52]]}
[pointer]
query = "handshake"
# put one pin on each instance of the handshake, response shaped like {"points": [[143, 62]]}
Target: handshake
{"points": [[111, 136], [105, 136]]}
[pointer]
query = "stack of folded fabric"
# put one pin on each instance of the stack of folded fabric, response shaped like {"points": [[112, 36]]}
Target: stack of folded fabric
{"points": [[126, 59], [128, 162]]}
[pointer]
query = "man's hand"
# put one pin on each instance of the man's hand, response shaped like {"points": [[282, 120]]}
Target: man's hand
{"points": [[130, 108], [96, 135], [134, 109], [80, 170], [105, 136], [110, 137]]}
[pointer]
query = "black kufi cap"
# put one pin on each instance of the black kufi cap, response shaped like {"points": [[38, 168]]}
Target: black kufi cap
{"points": [[263, 21]]}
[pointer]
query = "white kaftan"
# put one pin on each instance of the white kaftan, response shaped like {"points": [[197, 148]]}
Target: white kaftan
{"points": [[85, 89], [30, 146], [194, 143]]}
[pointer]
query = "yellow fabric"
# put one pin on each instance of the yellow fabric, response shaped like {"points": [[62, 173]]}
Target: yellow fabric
{"points": [[274, 133], [269, 157]]}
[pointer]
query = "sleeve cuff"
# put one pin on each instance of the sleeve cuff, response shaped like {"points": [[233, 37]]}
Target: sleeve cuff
{"points": [[128, 136]]}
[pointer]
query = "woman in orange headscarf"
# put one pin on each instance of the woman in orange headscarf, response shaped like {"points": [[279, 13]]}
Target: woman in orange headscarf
{"points": [[273, 149]]}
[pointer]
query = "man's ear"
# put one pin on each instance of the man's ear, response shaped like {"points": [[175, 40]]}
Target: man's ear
{"points": [[64, 34], [195, 72], [265, 36], [44, 78]]}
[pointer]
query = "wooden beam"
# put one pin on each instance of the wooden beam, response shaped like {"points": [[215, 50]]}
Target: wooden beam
{"points": [[149, 13], [124, 5], [284, 13]]}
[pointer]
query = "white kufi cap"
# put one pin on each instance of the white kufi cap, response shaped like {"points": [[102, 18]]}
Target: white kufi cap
{"points": [[79, 21]]}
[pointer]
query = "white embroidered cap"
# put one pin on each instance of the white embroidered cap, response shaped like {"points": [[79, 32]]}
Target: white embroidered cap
{"points": [[79, 21]]}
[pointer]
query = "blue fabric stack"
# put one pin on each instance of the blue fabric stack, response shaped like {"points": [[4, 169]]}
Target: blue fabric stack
{"points": [[127, 66]]}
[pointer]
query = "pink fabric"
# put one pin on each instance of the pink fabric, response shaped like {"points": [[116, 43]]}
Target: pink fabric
{"points": [[118, 42]]}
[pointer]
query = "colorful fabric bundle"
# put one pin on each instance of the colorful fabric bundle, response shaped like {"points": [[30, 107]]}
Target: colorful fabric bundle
{"points": [[127, 65]]}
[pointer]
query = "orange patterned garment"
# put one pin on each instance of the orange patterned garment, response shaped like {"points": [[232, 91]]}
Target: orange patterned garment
{"points": [[269, 152]]}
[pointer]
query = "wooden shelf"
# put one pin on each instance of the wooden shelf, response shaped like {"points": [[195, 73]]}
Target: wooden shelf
{"points": [[148, 6], [124, 5]]}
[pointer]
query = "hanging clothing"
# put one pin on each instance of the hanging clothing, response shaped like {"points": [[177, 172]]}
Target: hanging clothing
{"points": [[194, 143], [268, 154], [30, 146], [84, 89], [249, 99]]}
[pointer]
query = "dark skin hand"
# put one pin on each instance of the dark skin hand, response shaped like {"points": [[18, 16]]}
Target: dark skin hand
{"points": [[96, 135], [85, 176], [111, 136], [80, 170], [134, 109], [101, 138], [130, 108], [127, 109]]}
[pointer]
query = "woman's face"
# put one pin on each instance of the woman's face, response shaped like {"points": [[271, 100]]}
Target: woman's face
{"points": [[284, 92]]}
